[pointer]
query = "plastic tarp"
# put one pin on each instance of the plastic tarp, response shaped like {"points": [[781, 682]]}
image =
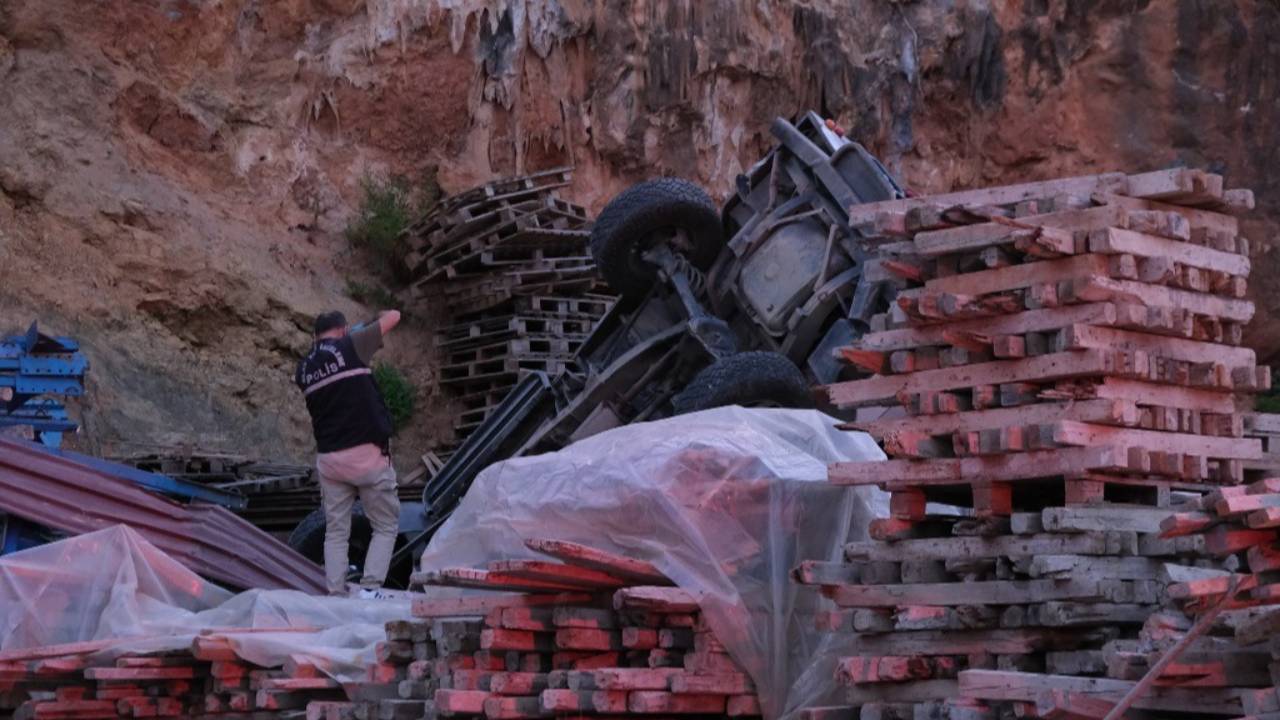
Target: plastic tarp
{"points": [[113, 584], [726, 502]]}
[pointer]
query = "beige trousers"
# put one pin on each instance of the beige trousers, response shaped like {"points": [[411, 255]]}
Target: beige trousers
{"points": [[377, 493]]}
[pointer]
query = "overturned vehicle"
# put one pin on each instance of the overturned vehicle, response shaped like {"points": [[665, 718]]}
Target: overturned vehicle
{"points": [[742, 305]]}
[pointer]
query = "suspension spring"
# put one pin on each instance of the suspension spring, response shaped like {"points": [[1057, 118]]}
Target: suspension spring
{"points": [[697, 280]]}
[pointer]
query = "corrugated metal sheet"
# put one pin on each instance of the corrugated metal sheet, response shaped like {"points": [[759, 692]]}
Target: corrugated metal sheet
{"points": [[77, 498]]}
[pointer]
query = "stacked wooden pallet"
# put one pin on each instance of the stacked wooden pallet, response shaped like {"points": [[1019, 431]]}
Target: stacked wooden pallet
{"points": [[485, 354], [1241, 526], [513, 236], [595, 634], [278, 495], [499, 257], [1067, 355], [1266, 428], [206, 678]]}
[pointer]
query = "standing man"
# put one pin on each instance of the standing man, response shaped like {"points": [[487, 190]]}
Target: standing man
{"points": [[353, 433]]}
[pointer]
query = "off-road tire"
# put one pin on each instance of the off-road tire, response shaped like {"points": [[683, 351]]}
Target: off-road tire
{"points": [[308, 537], [747, 378], [624, 229]]}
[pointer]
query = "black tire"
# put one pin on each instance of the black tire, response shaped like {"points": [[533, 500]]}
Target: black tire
{"points": [[748, 378], [308, 537], [634, 220]]}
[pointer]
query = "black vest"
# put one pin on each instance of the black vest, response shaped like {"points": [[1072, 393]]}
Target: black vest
{"points": [[346, 408]]}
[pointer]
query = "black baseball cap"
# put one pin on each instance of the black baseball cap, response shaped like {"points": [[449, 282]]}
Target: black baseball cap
{"points": [[331, 320]]}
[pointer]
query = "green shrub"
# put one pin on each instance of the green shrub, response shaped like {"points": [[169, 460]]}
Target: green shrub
{"points": [[1269, 401], [387, 207], [397, 392]]}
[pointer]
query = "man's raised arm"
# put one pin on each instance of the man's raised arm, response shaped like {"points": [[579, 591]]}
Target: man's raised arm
{"points": [[388, 319]]}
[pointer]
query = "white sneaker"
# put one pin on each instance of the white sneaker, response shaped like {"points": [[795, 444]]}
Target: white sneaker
{"points": [[370, 594]]}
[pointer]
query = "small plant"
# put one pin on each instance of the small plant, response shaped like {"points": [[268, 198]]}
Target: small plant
{"points": [[1269, 401], [373, 295], [397, 392], [387, 207]]}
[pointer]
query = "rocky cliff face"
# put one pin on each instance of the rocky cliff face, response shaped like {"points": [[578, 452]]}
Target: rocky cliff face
{"points": [[175, 174]]}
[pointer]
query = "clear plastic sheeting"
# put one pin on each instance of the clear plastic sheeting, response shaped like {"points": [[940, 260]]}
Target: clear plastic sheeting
{"points": [[105, 584], [113, 585], [726, 502]]}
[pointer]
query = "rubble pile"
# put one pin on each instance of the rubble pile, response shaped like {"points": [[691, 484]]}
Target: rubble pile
{"points": [[511, 263], [1068, 358]]}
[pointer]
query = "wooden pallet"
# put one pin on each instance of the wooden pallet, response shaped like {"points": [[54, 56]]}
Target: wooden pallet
{"points": [[619, 641], [579, 637], [1061, 372]]}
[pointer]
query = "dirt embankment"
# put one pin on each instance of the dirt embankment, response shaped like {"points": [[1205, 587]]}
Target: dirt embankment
{"points": [[175, 175]]}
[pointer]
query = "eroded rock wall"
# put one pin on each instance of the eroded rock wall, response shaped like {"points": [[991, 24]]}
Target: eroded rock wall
{"points": [[175, 175]]}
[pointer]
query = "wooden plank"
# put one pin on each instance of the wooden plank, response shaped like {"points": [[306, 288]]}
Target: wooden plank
{"points": [[602, 618], [171, 673], [588, 639], [1017, 277], [1117, 241], [921, 691], [1105, 411], [657, 599], [486, 580], [623, 678], [1070, 432], [655, 702], [1012, 324], [1262, 423], [969, 238], [724, 683], [1083, 186], [1083, 337], [1183, 185], [1107, 289], [513, 708], [584, 701], [993, 592], [898, 474], [882, 390], [1062, 705], [558, 573], [1121, 568], [1103, 543], [51, 651], [461, 702], [517, 640], [1262, 627], [1012, 686], [1147, 393], [1242, 504], [601, 560], [482, 605], [1101, 518], [862, 670], [1199, 218], [1020, 641]]}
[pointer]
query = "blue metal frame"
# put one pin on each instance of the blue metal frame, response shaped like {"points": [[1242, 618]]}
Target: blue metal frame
{"points": [[17, 534], [35, 366]]}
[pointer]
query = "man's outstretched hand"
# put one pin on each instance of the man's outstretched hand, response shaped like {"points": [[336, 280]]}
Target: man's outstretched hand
{"points": [[387, 320]]}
